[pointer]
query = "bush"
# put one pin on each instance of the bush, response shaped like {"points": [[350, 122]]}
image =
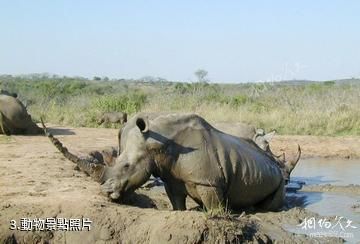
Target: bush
{"points": [[130, 104], [238, 100]]}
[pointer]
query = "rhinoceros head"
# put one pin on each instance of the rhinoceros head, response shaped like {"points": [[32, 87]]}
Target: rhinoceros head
{"points": [[262, 140], [132, 168], [287, 166], [134, 165]]}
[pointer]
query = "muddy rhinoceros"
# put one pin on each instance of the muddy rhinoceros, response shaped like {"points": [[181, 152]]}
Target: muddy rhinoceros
{"points": [[14, 118], [193, 159], [113, 117], [259, 136], [5, 92]]}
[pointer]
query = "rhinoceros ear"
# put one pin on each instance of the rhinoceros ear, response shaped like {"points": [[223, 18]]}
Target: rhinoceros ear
{"points": [[143, 124], [269, 136], [260, 132]]}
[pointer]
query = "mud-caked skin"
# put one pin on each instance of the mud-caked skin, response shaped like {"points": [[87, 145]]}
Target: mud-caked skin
{"points": [[242, 130], [113, 117], [262, 140], [194, 159], [14, 118]]}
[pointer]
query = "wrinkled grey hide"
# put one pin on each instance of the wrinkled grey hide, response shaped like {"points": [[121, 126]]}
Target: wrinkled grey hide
{"points": [[242, 130]]}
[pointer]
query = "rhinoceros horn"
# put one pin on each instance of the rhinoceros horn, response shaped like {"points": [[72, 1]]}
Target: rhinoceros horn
{"points": [[96, 171], [280, 158], [290, 165]]}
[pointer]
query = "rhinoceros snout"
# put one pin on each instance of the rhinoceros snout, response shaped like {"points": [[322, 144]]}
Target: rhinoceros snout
{"points": [[108, 186], [113, 188], [115, 196]]}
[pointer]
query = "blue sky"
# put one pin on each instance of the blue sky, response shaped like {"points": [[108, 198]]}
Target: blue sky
{"points": [[235, 41]]}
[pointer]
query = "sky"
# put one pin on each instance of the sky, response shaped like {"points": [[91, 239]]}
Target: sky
{"points": [[235, 41]]}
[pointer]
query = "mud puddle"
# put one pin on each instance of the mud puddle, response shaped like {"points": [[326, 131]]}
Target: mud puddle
{"points": [[329, 172]]}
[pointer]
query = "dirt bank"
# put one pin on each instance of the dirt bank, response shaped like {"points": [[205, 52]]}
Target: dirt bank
{"points": [[319, 146], [37, 182], [353, 190]]}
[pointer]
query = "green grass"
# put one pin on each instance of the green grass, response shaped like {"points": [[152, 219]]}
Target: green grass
{"points": [[306, 108]]}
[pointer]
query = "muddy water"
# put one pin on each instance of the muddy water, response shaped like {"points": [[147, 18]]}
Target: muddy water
{"points": [[328, 171]]}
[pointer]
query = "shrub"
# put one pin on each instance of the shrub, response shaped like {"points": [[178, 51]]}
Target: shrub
{"points": [[238, 100], [130, 103]]}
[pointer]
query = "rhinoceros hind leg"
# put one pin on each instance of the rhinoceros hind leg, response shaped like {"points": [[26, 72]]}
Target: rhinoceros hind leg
{"points": [[275, 201], [212, 197], [176, 195]]}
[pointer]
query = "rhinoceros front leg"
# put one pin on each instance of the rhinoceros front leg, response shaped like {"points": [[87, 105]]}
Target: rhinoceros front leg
{"points": [[211, 197], [4, 130], [275, 201], [176, 194]]}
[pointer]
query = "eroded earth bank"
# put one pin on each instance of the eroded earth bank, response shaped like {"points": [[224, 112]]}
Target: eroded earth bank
{"points": [[37, 182]]}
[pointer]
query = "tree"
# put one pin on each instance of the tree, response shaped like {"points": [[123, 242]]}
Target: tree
{"points": [[152, 79], [201, 75], [97, 78]]}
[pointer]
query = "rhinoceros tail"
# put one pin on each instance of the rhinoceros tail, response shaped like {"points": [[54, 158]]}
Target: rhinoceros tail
{"points": [[96, 171], [290, 165]]}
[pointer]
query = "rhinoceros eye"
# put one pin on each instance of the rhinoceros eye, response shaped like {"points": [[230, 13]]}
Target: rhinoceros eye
{"points": [[126, 166]]}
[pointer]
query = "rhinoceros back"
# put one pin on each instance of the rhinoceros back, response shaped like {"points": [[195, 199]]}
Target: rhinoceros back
{"points": [[246, 174], [249, 173]]}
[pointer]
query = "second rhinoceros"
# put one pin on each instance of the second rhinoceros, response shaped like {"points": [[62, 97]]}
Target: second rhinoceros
{"points": [[193, 159], [5, 92], [246, 131], [14, 118], [113, 117]]}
